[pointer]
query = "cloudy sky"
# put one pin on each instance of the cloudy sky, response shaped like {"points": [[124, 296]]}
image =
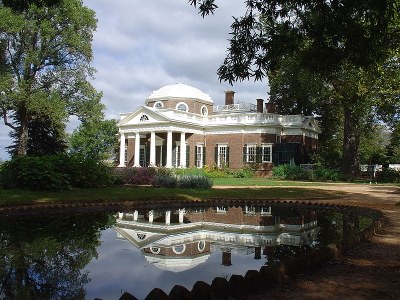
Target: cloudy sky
{"points": [[142, 45]]}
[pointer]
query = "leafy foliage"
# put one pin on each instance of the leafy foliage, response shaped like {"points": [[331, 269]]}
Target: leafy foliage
{"points": [[292, 172], [54, 172], [194, 182], [389, 176], [45, 54], [95, 139]]}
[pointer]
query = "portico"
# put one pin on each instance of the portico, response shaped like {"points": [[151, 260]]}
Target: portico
{"points": [[154, 148]]}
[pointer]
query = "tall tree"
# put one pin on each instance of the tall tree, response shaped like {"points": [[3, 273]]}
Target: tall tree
{"points": [[95, 139], [330, 38], [45, 55]]}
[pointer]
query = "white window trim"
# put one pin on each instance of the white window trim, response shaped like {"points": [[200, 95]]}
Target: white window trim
{"points": [[144, 118], [180, 103], [201, 110], [251, 146], [156, 103], [220, 146], [200, 146], [270, 153]]}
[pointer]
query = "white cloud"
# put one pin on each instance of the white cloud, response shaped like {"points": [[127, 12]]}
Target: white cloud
{"points": [[140, 46]]}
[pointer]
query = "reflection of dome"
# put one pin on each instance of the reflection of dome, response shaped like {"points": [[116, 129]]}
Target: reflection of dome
{"points": [[175, 264], [179, 90]]}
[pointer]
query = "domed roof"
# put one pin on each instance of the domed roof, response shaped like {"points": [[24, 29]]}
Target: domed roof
{"points": [[179, 90], [177, 264]]}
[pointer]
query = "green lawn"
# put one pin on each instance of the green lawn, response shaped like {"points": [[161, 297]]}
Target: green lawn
{"points": [[267, 191], [260, 182]]}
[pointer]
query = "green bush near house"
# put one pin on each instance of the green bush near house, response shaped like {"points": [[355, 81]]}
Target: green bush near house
{"points": [[389, 176], [292, 172], [194, 182], [54, 172]]}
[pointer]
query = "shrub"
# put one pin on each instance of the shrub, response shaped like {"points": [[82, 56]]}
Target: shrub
{"points": [[194, 181], [243, 173], [136, 175], [389, 175], [167, 181], [54, 172], [322, 173], [291, 172]]}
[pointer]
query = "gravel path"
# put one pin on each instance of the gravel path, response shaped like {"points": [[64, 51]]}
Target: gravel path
{"points": [[369, 271]]}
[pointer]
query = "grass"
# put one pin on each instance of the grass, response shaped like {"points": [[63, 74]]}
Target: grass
{"points": [[20, 197], [259, 181]]}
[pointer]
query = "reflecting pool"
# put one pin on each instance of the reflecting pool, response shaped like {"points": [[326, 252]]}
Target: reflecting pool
{"points": [[89, 254]]}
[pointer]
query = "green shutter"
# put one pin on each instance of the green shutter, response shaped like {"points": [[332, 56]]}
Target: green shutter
{"points": [[258, 154], [195, 155], [216, 155], [204, 156], [187, 156], [227, 156], [245, 154]]}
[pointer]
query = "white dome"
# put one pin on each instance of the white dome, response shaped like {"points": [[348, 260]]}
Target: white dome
{"points": [[179, 90], [177, 264]]}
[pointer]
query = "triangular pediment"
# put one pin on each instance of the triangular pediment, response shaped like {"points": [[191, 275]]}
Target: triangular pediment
{"points": [[143, 115], [311, 124]]}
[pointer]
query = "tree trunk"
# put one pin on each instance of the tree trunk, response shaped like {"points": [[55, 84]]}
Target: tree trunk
{"points": [[23, 131], [351, 143]]}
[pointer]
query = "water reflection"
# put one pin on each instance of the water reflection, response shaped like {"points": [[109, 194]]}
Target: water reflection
{"points": [[180, 239], [42, 257], [61, 255]]}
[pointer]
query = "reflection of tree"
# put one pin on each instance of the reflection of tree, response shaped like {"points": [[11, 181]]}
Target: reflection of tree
{"points": [[42, 258], [284, 252]]}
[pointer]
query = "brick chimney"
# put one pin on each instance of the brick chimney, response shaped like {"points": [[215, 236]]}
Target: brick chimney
{"points": [[229, 97], [260, 104], [270, 107]]}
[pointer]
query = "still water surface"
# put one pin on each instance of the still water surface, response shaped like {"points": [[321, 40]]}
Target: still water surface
{"points": [[103, 254]]}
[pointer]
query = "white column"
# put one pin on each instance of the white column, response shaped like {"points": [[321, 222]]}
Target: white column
{"points": [[169, 149], [137, 149], [183, 150], [181, 212], [152, 148], [122, 151], [151, 216], [135, 215], [168, 217]]}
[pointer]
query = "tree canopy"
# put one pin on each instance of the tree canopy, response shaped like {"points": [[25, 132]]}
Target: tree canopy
{"points": [[45, 55], [330, 58]]}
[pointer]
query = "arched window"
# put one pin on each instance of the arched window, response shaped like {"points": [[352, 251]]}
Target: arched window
{"points": [[144, 118], [155, 250], [141, 236], [201, 246], [204, 110], [158, 105], [179, 249], [182, 106]]}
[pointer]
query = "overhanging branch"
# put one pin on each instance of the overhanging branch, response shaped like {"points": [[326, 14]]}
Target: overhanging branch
{"points": [[6, 120]]}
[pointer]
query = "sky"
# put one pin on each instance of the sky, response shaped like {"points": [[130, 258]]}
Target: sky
{"points": [[142, 45]]}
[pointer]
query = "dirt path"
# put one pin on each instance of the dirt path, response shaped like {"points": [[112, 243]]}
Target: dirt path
{"points": [[369, 271]]}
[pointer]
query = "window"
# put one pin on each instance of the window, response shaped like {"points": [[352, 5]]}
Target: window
{"points": [[144, 118], [266, 153], [182, 106], [158, 105], [179, 249], [201, 246], [251, 153], [199, 156], [222, 155], [126, 152], [204, 110]]}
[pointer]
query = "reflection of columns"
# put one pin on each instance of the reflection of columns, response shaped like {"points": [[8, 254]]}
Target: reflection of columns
{"points": [[152, 148], [137, 150], [257, 252], [181, 212], [135, 215], [169, 149], [183, 150], [226, 258], [168, 217], [151, 216], [122, 151]]}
